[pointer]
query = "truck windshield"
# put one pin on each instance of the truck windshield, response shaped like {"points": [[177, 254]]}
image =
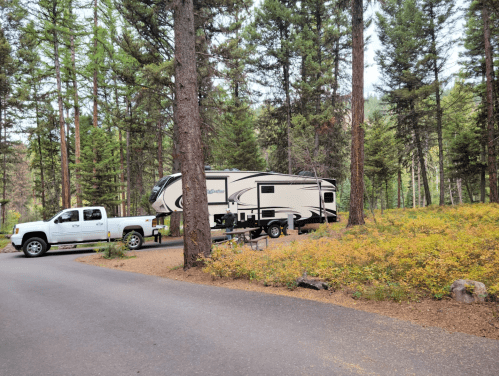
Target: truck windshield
{"points": [[158, 188], [48, 220]]}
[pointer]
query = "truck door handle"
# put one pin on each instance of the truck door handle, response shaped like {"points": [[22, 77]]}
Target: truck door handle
{"points": [[76, 225], [100, 224]]}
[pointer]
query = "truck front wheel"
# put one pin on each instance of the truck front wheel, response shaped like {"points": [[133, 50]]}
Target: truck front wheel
{"points": [[133, 240], [34, 247]]}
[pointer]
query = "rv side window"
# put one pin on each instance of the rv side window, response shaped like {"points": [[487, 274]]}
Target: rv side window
{"points": [[328, 197], [268, 213], [267, 189]]}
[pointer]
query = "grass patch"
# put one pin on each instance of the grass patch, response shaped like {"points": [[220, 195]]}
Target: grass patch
{"points": [[405, 255], [4, 241], [114, 250]]}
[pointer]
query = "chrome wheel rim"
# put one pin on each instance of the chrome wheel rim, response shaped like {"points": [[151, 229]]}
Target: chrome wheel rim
{"points": [[274, 232], [133, 241], [34, 247]]}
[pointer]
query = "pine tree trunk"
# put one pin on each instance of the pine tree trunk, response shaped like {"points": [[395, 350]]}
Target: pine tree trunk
{"points": [[450, 193], [176, 216], [422, 162], [459, 191], [94, 93], [79, 199], [4, 177], [160, 151], [413, 185], [399, 185], [128, 170], [483, 170], [39, 144], [64, 156], [356, 216], [439, 109], [288, 115], [197, 234], [490, 107]]}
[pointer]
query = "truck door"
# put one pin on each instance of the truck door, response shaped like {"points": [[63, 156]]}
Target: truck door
{"points": [[66, 228], [94, 225]]}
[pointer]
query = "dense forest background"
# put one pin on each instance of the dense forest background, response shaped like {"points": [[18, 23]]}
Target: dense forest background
{"points": [[87, 99]]}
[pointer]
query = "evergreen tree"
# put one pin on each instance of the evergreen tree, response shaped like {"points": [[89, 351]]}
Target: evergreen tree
{"points": [[271, 37], [99, 167], [405, 77]]}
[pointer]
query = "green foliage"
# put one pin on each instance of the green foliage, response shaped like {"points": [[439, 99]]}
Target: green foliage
{"points": [[100, 166], [114, 250], [11, 219]]}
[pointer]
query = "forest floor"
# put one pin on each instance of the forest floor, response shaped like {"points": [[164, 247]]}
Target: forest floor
{"points": [[475, 319]]}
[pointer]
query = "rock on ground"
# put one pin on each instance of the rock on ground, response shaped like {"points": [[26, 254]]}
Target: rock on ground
{"points": [[466, 291]]}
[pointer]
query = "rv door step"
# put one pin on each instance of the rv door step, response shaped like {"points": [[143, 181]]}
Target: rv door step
{"points": [[256, 240]]}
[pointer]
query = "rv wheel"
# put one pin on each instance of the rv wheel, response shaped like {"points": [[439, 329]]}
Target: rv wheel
{"points": [[256, 233], [274, 230]]}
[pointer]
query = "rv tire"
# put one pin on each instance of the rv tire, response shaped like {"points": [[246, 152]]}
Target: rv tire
{"points": [[274, 230], [256, 233]]}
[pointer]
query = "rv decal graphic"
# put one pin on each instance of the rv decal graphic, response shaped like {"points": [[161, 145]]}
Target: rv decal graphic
{"points": [[236, 196], [211, 191]]}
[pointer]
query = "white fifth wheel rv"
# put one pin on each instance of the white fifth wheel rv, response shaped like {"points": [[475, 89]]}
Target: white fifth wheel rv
{"points": [[259, 199]]}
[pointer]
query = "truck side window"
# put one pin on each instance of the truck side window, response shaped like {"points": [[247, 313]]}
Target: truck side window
{"points": [[69, 216], [92, 215], [328, 197]]}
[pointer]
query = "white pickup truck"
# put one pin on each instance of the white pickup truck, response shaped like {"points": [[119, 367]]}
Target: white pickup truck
{"points": [[82, 225]]}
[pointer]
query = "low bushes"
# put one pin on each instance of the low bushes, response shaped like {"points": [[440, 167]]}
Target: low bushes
{"points": [[405, 254]]}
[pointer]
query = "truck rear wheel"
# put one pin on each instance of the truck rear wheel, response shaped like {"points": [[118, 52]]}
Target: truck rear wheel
{"points": [[133, 240], [34, 247]]}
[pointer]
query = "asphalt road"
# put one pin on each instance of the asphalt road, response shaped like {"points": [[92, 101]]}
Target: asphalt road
{"points": [[60, 317]]}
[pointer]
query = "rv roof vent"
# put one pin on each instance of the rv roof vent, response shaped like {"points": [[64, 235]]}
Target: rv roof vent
{"points": [[306, 173], [207, 168]]}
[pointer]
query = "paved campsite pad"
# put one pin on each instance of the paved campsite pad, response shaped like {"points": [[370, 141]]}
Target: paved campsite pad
{"points": [[477, 319]]}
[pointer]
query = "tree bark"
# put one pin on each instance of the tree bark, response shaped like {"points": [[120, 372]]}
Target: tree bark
{"points": [[128, 170], [413, 185], [399, 186], [439, 109], [490, 107], [450, 193], [288, 114], [95, 86], [197, 234], [79, 199], [356, 216], [422, 166], [64, 155], [42, 178], [176, 216]]}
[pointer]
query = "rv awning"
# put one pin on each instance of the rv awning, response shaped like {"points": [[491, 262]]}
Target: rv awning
{"points": [[296, 181]]}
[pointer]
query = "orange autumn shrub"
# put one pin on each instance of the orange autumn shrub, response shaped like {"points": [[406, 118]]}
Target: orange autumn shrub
{"points": [[403, 255]]}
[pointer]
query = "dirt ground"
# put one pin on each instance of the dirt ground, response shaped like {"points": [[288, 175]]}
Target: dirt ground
{"points": [[476, 319]]}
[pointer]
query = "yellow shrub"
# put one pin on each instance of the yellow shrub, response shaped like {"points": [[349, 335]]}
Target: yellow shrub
{"points": [[404, 254]]}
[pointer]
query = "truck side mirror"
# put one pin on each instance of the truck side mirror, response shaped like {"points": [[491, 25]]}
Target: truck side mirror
{"points": [[56, 221]]}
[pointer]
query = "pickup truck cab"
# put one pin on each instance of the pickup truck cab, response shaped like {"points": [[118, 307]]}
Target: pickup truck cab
{"points": [[82, 225]]}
